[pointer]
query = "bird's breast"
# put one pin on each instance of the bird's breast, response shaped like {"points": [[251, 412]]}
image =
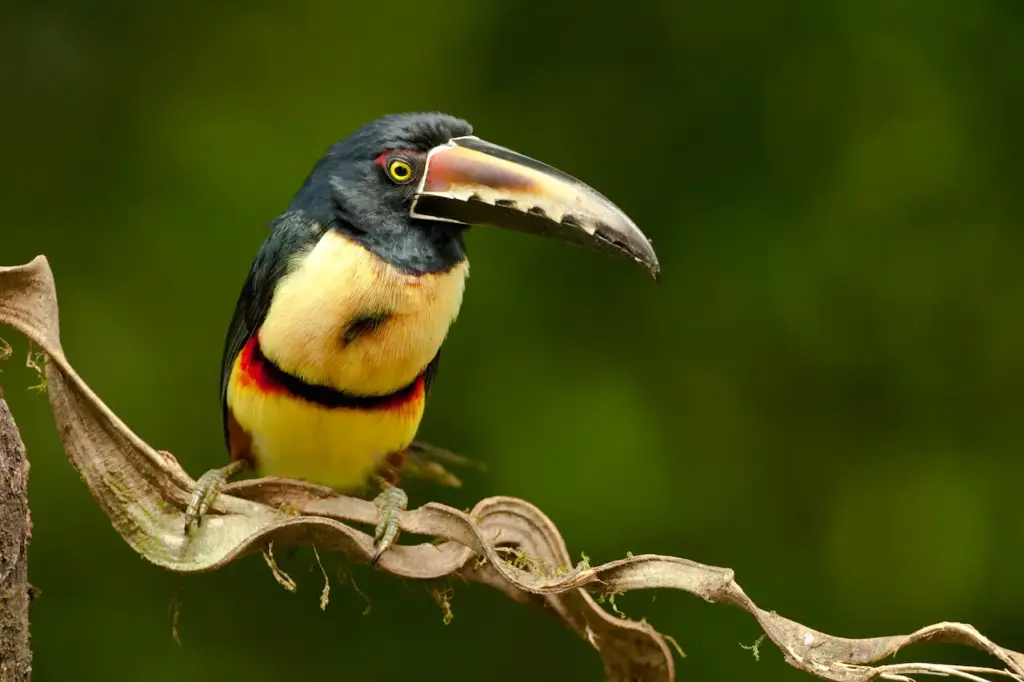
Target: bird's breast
{"points": [[346, 319], [337, 441]]}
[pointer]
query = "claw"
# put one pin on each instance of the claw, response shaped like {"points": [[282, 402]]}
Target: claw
{"points": [[206, 490], [392, 501]]}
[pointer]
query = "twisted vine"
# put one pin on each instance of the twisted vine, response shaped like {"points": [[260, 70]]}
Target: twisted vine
{"points": [[144, 492]]}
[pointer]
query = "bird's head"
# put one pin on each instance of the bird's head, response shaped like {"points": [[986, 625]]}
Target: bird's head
{"points": [[408, 185]]}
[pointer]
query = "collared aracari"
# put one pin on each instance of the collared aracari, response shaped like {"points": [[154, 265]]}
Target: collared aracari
{"points": [[337, 331]]}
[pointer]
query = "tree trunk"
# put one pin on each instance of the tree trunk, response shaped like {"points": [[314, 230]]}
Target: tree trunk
{"points": [[15, 531]]}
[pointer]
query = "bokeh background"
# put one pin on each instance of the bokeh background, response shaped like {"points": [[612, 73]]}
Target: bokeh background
{"points": [[826, 393]]}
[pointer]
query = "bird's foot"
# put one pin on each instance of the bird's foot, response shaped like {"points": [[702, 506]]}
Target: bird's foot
{"points": [[392, 501], [206, 489]]}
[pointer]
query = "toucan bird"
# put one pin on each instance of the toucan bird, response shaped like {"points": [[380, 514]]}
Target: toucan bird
{"points": [[336, 334]]}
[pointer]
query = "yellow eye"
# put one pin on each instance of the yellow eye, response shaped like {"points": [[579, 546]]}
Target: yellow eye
{"points": [[400, 170]]}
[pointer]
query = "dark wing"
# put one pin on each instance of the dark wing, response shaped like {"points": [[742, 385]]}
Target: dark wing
{"points": [[429, 373], [290, 233]]}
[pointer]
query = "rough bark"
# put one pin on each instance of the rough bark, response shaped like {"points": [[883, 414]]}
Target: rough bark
{"points": [[15, 532]]}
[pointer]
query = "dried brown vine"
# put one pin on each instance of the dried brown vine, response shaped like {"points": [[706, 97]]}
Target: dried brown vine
{"points": [[144, 492]]}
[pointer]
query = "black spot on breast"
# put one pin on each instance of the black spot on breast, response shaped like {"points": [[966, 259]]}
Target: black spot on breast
{"points": [[363, 325]]}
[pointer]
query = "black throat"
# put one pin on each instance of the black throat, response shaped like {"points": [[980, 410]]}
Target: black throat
{"points": [[418, 247]]}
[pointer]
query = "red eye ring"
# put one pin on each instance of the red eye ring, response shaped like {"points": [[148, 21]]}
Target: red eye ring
{"points": [[399, 170], [400, 165]]}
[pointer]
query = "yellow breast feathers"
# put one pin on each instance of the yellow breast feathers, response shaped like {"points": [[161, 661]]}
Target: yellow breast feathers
{"points": [[344, 318]]}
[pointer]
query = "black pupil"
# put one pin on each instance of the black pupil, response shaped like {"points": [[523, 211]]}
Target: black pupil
{"points": [[401, 170]]}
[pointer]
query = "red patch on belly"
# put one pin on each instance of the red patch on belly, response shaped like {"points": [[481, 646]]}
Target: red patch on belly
{"points": [[252, 369]]}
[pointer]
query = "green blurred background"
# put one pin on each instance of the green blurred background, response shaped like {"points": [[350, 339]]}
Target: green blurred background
{"points": [[826, 393]]}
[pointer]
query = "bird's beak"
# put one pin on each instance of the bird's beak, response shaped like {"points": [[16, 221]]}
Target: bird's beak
{"points": [[468, 180]]}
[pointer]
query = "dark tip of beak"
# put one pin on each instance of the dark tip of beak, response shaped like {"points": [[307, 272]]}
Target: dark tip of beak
{"points": [[641, 253]]}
